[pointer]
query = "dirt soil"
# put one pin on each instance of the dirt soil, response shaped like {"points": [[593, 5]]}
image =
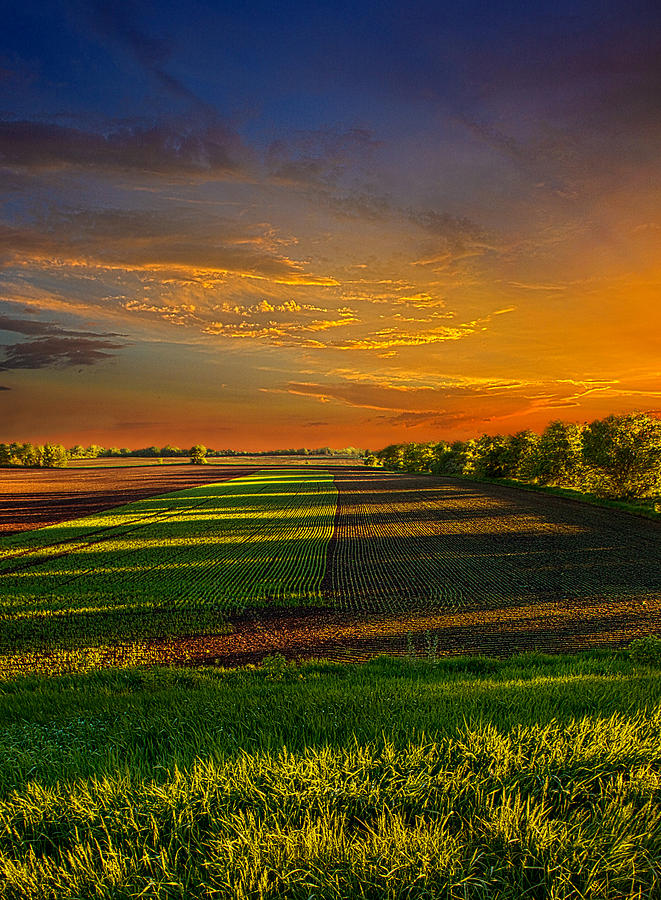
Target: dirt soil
{"points": [[523, 571], [404, 539], [33, 498], [528, 571], [555, 627]]}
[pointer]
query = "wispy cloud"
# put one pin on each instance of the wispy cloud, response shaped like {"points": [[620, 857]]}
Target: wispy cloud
{"points": [[150, 242], [164, 149]]}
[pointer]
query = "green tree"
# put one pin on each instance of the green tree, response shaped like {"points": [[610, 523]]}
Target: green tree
{"points": [[559, 455], [521, 455], [624, 453], [491, 457], [198, 454], [53, 456]]}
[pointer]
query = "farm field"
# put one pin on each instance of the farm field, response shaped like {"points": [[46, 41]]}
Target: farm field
{"points": [[34, 498], [401, 540], [118, 462], [427, 773], [345, 564], [169, 565]]}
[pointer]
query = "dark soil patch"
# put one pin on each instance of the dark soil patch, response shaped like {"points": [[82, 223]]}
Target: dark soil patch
{"points": [[555, 627], [399, 540]]}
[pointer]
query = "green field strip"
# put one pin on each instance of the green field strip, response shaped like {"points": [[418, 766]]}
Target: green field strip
{"points": [[58, 540], [252, 540]]}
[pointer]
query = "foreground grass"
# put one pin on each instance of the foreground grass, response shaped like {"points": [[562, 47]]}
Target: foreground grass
{"points": [[534, 777]]}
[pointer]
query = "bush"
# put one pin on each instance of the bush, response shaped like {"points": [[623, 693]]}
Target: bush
{"points": [[646, 651]]}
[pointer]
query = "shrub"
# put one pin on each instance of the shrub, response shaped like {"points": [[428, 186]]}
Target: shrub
{"points": [[646, 651]]}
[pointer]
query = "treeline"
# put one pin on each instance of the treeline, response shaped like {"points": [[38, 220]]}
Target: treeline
{"points": [[33, 455], [345, 452], [52, 455], [618, 457], [94, 452]]}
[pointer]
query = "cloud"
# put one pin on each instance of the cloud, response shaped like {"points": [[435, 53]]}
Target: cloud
{"points": [[117, 22], [402, 339], [455, 231], [32, 327], [440, 418], [319, 158], [149, 241], [161, 149], [57, 351], [454, 401], [128, 426], [277, 333], [50, 345], [4, 388]]}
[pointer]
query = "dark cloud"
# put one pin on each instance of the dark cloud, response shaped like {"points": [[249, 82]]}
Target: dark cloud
{"points": [[441, 418], [4, 388], [128, 426], [117, 22], [33, 327], [452, 228], [51, 345], [27, 326], [58, 351], [165, 149]]}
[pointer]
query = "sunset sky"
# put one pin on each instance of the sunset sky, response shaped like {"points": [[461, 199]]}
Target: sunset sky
{"points": [[305, 224]]}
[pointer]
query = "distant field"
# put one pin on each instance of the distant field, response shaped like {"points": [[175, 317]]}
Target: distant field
{"points": [[34, 498], [307, 562], [121, 462]]}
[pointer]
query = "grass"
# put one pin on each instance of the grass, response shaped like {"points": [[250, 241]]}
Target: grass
{"points": [[532, 777]]}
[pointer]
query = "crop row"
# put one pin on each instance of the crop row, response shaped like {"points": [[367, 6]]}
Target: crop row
{"points": [[182, 560], [403, 541]]}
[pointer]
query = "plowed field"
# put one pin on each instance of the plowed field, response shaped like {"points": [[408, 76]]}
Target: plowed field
{"points": [[403, 539], [347, 565]]}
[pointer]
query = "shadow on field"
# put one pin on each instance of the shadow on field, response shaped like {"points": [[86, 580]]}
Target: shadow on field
{"points": [[418, 633]]}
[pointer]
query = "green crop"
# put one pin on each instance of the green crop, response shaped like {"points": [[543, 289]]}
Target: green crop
{"points": [[174, 564]]}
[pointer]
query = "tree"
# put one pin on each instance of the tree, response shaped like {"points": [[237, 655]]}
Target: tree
{"points": [[491, 457], [53, 456], [521, 455], [198, 454], [625, 451], [559, 455]]}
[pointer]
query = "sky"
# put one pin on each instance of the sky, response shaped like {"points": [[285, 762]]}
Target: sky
{"points": [[305, 224]]}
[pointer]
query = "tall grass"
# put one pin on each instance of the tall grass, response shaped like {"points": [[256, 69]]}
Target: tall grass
{"points": [[466, 778]]}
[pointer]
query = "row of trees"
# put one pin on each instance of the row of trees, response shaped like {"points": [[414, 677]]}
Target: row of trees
{"points": [[33, 455], [49, 455], [617, 457], [94, 451]]}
